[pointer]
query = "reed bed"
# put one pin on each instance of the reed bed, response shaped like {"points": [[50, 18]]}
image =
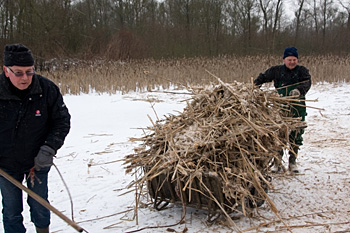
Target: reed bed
{"points": [[141, 75], [215, 154]]}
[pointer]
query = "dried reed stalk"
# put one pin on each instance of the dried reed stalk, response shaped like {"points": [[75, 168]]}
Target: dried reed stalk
{"points": [[219, 148], [149, 74]]}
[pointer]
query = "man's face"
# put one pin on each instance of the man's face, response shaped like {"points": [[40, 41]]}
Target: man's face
{"points": [[291, 62], [20, 76]]}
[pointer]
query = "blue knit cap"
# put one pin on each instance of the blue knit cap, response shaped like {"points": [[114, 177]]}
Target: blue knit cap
{"points": [[290, 51]]}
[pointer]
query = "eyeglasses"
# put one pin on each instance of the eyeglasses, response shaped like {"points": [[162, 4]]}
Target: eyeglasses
{"points": [[20, 74]]}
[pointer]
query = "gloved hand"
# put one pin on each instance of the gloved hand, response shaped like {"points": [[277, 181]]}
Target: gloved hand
{"points": [[44, 157], [294, 92]]}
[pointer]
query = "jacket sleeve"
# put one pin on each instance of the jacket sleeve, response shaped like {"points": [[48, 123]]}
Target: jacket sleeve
{"points": [[304, 80], [59, 120], [267, 76]]}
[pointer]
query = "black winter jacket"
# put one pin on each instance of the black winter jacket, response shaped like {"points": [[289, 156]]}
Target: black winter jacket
{"points": [[282, 76], [40, 118], [286, 80]]}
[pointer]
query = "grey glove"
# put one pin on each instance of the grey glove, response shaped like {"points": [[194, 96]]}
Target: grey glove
{"points": [[44, 157], [294, 92]]}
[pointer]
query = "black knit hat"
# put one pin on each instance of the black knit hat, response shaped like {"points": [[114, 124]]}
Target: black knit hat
{"points": [[18, 55], [290, 51]]}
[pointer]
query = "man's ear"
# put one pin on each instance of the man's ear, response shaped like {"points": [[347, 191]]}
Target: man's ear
{"points": [[5, 71]]}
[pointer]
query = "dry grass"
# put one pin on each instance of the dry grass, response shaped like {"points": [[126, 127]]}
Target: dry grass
{"points": [[107, 76], [215, 154]]}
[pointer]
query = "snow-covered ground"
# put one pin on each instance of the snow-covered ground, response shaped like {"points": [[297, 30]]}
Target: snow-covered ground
{"points": [[316, 200]]}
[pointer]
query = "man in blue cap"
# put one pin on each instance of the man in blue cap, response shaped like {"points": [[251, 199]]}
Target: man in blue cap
{"points": [[290, 79], [34, 122]]}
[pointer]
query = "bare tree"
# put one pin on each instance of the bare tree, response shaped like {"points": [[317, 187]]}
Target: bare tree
{"points": [[7, 19], [277, 18], [297, 14], [272, 11], [172, 28], [328, 14], [245, 14], [347, 8], [315, 14]]}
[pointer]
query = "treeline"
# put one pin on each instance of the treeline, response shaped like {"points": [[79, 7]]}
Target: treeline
{"points": [[134, 29]]}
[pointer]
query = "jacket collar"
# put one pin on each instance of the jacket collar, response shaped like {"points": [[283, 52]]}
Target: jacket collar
{"points": [[287, 69]]}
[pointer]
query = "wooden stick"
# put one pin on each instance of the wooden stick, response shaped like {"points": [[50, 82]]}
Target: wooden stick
{"points": [[314, 225], [41, 200]]}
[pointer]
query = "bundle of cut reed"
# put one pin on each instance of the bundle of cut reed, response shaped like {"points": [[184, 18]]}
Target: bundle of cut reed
{"points": [[216, 153]]}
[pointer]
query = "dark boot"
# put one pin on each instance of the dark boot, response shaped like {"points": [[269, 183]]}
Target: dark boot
{"points": [[292, 159], [42, 230]]}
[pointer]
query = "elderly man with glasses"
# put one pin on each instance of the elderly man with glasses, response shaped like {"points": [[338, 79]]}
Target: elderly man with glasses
{"points": [[34, 122]]}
